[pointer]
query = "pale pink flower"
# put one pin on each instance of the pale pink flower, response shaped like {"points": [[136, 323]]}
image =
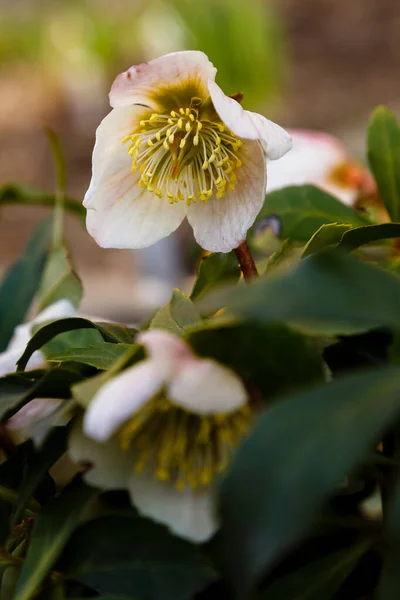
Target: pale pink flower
{"points": [[322, 160], [164, 429], [176, 146]]}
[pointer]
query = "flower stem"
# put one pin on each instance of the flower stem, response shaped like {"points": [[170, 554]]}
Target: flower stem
{"points": [[246, 261]]}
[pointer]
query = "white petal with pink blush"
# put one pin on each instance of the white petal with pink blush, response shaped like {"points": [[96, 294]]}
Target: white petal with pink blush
{"points": [[320, 159], [147, 416], [176, 146]]}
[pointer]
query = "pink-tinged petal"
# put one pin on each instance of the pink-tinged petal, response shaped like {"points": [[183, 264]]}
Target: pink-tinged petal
{"points": [[178, 73], [166, 350], [248, 125], [110, 467], [121, 214], [205, 387], [319, 159], [121, 398], [221, 224], [188, 513], [31, 412]]}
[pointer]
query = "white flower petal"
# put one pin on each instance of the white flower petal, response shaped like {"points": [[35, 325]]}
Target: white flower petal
{"points": [[146, 83], [205, 387], [189, 514], [120, 398], [313, 159], [221, 224], [36, 409], [248, 125], [121, 214], [110, 466]]}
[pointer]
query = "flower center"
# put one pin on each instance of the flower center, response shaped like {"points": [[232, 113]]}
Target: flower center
{"points": [[182, 157], [187, 448]]}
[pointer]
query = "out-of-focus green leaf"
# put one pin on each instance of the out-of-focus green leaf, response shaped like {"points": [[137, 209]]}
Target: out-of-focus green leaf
{"points": [[52, 449], [384, 158], [325, 293], [52, 529], [110, 332], [59, 280], [304, 209], [214, 270], [271, 357], [134, 557], [320, 579], [21, 194], [298, 453], [389, 586], [21, 281], [101, 356], [179, 316], [326, 236]]}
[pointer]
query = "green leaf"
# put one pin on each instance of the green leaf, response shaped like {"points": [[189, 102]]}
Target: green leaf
{"points": [[318, 580], [384, 158], [21, 281], [389, 586], [298, 453], [53, 448], [51, 531], [359, 236], [304, 209], [110, 332], [325, 293], [21, 194], [271, 357], [179, 316], [213, 270], [101, 356], [132, 556], [326, 236], [59, 280]]}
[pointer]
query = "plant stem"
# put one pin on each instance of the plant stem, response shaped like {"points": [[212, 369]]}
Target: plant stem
{"points": [[59, 165], [246, 262]]}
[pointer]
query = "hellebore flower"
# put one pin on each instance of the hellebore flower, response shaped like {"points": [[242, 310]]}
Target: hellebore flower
{"points": [[164, 430], [173, 146], [23, 333], [322, 160]]}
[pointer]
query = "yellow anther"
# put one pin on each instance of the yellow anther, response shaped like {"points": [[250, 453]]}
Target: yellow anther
{"points": [[158, 192], [165, 144], [219, 194], [134, 167], [158, 136], [169, 131], [188, 126], [180, 123], [221, 127], [173, 113], [150, 188], [142, 168], [238, 163], [187, 111], [150, 143], [162, 474], [199, 125], [217, 149], [212, 158], [126, 139], [191, 117], [170, 122], [182, 143], [204, 166], [171, 138], [217, 182], [181, 110], [196, 140], [143, 123], [153, 118], [218, 140], [191, 198]]}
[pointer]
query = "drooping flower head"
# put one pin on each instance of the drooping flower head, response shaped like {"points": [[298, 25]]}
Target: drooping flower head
{"points": [[322, 160], [173, 146], [165, 429]]}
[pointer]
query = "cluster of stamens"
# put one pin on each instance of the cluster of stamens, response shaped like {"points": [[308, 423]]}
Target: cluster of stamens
{"points": [[183, 447], [181, 157]]}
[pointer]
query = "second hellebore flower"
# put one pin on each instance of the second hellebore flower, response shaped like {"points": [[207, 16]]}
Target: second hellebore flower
{"points": [[175, 146], [164, 429]]}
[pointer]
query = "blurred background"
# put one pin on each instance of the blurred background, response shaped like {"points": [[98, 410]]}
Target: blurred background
{"points": [[320, 64]]}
